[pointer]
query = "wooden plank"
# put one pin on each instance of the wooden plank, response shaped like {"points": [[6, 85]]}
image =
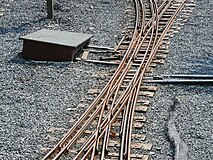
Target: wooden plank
{"points": [[144, 102], [145, 146], [146, 93], [140, 136], [140, 118], [85, 55], [138, 125], [136, 156], [102, 62], [141, 108], [93, 91]]}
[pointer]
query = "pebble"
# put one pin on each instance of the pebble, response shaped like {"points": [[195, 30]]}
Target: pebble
{"points": [[194, 110], [36, 96]]}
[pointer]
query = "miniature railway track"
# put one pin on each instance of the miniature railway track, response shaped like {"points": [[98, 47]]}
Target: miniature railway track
{"points": [[109, 128]]}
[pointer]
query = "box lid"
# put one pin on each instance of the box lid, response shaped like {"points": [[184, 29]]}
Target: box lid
{"points": [[63, 38]]}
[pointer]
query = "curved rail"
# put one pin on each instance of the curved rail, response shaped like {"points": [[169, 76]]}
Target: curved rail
{"points": [[110, 103]]}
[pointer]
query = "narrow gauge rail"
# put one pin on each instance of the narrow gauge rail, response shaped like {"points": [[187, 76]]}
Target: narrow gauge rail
{"points": [[111, 116]]}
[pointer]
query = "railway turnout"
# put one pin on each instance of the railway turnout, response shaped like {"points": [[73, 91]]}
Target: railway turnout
{"points": [[110, 127]]}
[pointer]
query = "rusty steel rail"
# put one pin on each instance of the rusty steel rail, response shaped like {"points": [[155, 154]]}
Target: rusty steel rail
{"points": [[113, 101], [54, 152]]}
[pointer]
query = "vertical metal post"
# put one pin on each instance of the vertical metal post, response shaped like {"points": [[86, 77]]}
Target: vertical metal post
{"points": [[50, 9]]}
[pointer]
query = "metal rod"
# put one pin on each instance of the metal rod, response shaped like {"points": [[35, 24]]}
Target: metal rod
{"points": [[100, 47], [185, 76], [182, 81], [50, 9]]}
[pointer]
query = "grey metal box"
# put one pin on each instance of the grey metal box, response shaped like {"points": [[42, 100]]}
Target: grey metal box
{"points": [[54, 45]]}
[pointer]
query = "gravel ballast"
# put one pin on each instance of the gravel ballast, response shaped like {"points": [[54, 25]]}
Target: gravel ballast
{"points": [[190, 53], [39, 99]]}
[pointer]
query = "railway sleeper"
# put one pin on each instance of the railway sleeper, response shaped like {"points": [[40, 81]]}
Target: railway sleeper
{"points": [[134, 136], [136, 118], [138, 61], [136, 125], [160, 24], [147, 93], [149, 70], [144, 146], [115, 156], [159, 51], [140, 102], [141, 109], [145, 42], [144, 93], [143, 102], [134, 70], [142, 88], [148, 88], [159, 58], [167, 36], [137, 64]]}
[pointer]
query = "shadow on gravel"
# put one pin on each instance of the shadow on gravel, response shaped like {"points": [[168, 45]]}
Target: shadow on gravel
{"points": [[19, 60], [21, 28], [179, 146], [197, 89]]}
